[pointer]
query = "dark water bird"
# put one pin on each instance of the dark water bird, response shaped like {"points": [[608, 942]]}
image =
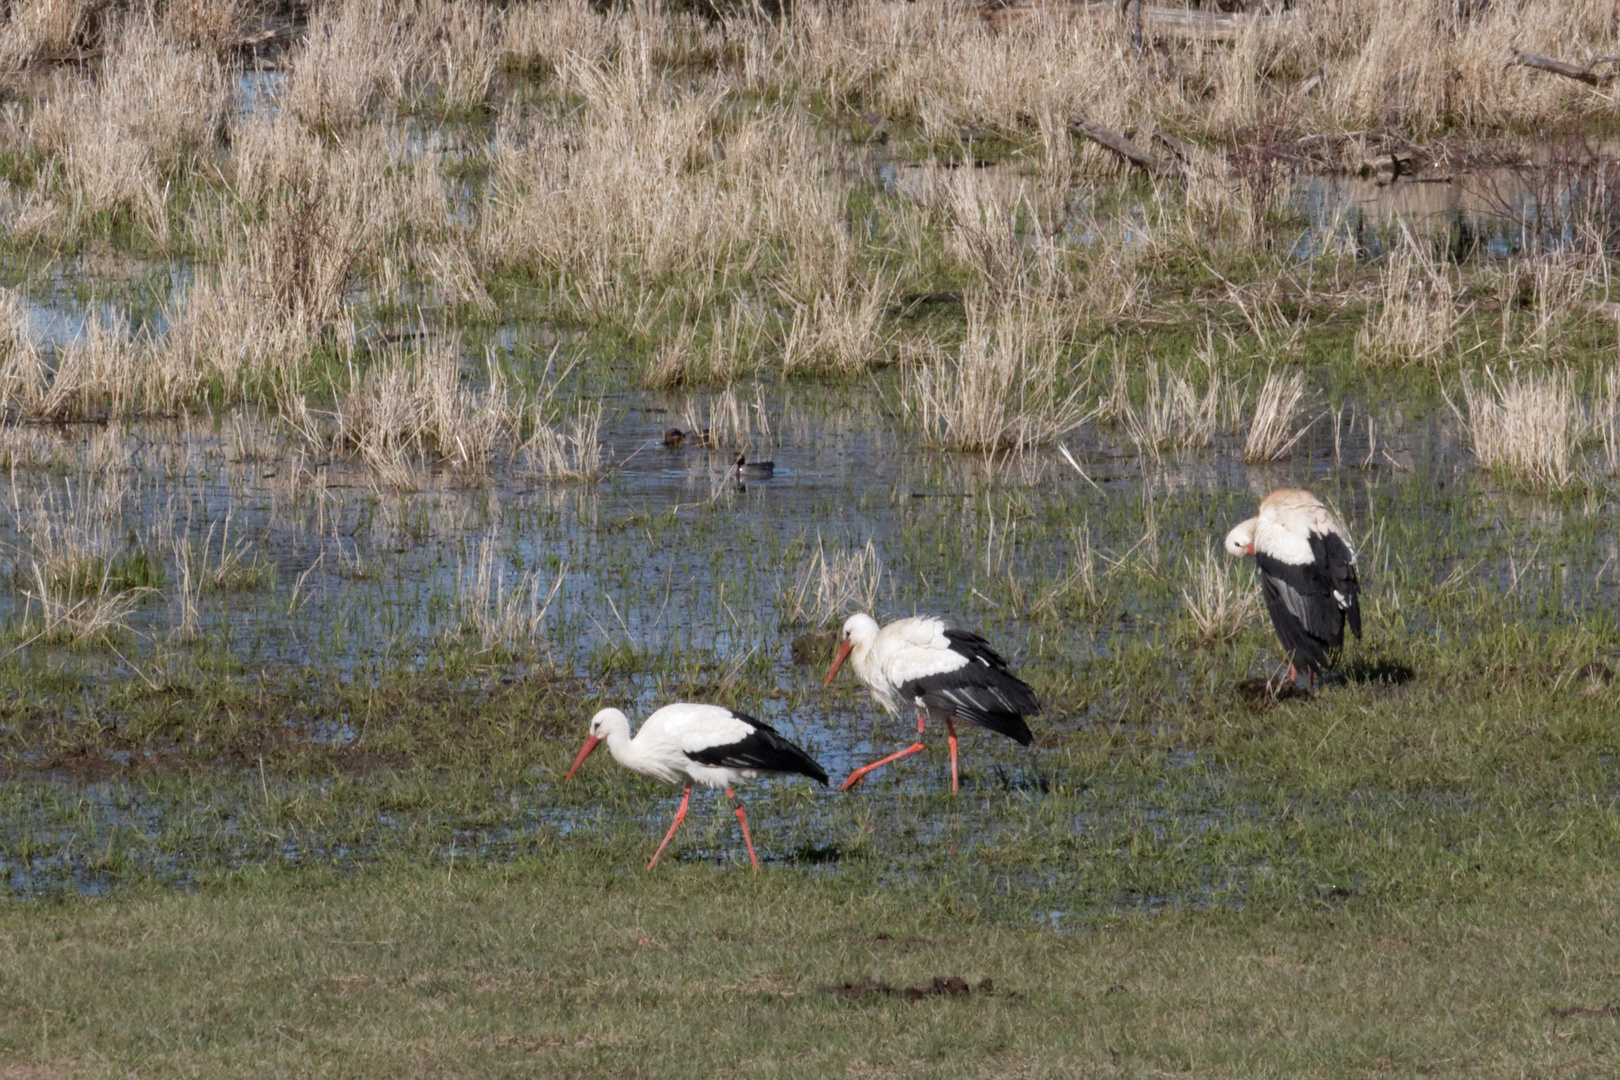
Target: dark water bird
{"points": [[674, 438], [1307, 576], [754, 470], [945, 673], [698, 744]]}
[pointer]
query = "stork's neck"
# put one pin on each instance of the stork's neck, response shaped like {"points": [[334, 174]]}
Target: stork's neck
{"points": [[624, 748], [863, 657]]}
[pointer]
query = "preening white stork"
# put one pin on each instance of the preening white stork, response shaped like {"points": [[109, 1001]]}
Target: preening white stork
{"points": [[700, 744], [947, 674], [1307, 575]]}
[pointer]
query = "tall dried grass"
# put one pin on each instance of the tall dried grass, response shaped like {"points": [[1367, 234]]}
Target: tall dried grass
{"points": [[1416, 312], [1003, 388], [498, 616], [43, 27], [1606, 420], [1174, 414], [651, 201], [116, 141], [1529, 427], [1218, 604], [1272, 433], [1412, 66], [411, 406], [833, 584], [362, 57]]}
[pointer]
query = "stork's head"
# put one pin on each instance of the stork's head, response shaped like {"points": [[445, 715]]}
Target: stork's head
{"points": [[859, 633], [1240, 541], [604, 725]]}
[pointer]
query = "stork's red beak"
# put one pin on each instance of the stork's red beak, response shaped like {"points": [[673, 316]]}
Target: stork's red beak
{"points": [[838, 662], [1249, 548], [584, 752]]}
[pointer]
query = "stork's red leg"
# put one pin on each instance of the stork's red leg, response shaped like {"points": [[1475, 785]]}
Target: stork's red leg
{"points": [[950, 738], [860, 774], [748, 841], [680, 816]]}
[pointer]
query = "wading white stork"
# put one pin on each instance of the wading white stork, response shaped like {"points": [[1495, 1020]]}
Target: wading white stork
{"points": [[1307, 576], [947, 674], [698, 744]]}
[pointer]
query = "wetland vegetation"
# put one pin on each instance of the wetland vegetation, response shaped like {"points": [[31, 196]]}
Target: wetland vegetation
{"points": [[337, 347]]}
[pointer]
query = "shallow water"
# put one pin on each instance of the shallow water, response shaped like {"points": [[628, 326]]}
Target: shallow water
{"points": [[667, 573], [666, 557]]}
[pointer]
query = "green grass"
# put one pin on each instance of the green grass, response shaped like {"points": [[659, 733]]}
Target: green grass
{"points": [[569, 965], [330, 835]]}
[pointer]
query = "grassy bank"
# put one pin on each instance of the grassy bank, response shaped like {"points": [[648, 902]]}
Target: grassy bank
{"points": [[566, 967]]}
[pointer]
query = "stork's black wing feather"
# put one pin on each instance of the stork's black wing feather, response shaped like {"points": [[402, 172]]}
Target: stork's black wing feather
{"points": [[762, 749], [981, 691], [1339, 571], [1308, 618]]}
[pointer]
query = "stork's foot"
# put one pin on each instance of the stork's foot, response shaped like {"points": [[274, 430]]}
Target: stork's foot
{"points": [[860, 774]]}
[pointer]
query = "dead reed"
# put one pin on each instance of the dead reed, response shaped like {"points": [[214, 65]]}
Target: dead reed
{"points": [[832, 585], [1174, 414], [1218, 603], [1003, 387], [1272, 432], [1529, 427], [1416, 310], [502, 617]]}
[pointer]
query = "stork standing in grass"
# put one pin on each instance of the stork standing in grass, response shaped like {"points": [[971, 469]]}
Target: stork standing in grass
{"points": [[698, 744], [1307, 576], [947, 674]]}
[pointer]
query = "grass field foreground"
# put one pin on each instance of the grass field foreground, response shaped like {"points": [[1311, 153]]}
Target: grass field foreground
{"points": [[563, 968]]}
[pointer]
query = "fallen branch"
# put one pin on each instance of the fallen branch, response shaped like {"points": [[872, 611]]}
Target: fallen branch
{"points": [[1119, 144], [1562, 67]]}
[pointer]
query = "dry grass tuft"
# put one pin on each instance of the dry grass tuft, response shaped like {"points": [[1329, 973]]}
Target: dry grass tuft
{"points": [[1606, 420], [1001, 391], [1174, 415], [1529, 427], [116, 140], [1219, 604], [833, 585], [499, 617], [79, 579], [37, 28], [411, 406], [1272, 433], [1416, 313], [839, 330], [565, 449], [22, 368], [95, 612]]}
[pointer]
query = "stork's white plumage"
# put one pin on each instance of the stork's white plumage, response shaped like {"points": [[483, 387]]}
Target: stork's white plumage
{"points": [[947, 674], [1307, 575], [698, 744]]}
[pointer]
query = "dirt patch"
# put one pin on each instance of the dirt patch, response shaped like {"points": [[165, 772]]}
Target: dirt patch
{"points": [[814, 648], [915, 941], [1265, 694], [942, 986]]}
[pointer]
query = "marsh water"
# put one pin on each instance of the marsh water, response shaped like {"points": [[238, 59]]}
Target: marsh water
{"points": [[666, 576]]}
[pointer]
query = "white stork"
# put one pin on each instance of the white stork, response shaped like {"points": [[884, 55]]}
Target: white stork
{"points": [[947, 674], [700, 744], [1307, 575]]}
